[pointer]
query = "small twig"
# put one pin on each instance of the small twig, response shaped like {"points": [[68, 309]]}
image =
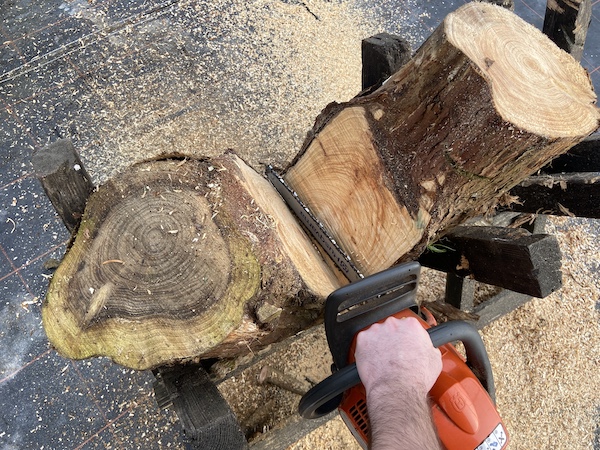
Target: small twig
{"points": [[277, 378]]}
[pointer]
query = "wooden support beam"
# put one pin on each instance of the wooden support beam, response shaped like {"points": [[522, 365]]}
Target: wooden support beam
{"points": [[570, 194], [566, 22], [460, 291], [205, 416], [382, 56], [290, 432], [498, 306], [568, 186], [509, 258], [64, 179], [583, 157]]}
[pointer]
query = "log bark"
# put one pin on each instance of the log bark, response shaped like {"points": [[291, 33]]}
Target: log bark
{"points": [[182, 259], [486, 101]]}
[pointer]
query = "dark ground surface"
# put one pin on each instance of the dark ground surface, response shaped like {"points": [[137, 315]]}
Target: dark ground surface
{"points": [[57, 63]]}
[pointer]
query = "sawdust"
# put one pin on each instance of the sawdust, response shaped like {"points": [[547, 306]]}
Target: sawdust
{"points": [[545, 356], [245, 75], [251, 76], [306, 358], [336, 427]]}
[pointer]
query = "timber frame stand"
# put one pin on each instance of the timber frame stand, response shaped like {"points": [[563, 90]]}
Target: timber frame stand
{"points": [[464, 254]]}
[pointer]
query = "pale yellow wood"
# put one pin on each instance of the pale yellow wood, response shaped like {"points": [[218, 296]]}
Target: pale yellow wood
{"points": [[535, 85], [341, 177], [319, 278]]}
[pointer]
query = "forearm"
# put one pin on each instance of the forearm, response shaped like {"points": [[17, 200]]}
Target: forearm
{"points": [[400, 421]]}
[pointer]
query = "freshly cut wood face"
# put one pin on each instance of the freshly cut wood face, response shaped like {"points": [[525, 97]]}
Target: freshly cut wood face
{"points": [[535, 85], [315, 273], [347, 190]]}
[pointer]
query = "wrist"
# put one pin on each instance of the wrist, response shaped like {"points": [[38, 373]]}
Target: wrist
{"points": [[400, 418], [394, 387]]}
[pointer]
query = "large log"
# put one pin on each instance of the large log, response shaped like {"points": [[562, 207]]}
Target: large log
{"points": [[182, 259], [486, 101]]}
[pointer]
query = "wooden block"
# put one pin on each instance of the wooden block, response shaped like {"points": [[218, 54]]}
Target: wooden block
{"points": [[567, 22], [382, 55], [205, 416], [64, 180], [570, 194], [498, 306], [290, 432], [460, 291], [583, 157], [509, 258]]}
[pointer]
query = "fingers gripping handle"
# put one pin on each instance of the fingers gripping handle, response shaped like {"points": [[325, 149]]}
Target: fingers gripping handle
{"points": [[357, 305], [327, 395]]}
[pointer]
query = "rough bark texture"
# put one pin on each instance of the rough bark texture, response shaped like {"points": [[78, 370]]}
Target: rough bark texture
{"points": [[485, 102], [184, 258]]}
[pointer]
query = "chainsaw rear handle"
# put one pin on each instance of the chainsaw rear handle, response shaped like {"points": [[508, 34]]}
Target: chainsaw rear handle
{"points": [[327, 395]]}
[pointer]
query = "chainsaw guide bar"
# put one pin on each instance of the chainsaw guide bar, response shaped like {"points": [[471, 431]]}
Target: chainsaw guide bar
{"points": [[316, 229]]}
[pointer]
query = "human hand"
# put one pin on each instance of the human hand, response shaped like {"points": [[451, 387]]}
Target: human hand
{"points": [[397, 355]]}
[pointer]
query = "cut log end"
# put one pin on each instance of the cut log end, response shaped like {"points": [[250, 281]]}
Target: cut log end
{"points": [[342, 170], [174, 260], [535, 85], [150, 254]]}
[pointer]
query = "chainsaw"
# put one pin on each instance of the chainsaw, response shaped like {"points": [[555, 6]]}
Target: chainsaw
{"points": [[463, 397]]}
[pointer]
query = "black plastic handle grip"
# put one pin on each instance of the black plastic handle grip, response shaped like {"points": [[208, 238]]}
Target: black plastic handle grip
{"points": [[327, 395], [357, 305]]}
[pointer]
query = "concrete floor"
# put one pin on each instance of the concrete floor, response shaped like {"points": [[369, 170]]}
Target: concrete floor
{"points": [[59, 64]]}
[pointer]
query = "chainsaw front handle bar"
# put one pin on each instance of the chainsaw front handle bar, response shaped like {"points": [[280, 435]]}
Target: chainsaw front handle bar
{"points": [[357, 305], [327, 395]]}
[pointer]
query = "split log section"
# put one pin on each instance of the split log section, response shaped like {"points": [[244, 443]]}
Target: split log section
{"points": [[183, 259]]}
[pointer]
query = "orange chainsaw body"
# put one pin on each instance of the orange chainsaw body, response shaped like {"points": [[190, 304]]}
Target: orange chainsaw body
{"points": [[462, 410]]}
